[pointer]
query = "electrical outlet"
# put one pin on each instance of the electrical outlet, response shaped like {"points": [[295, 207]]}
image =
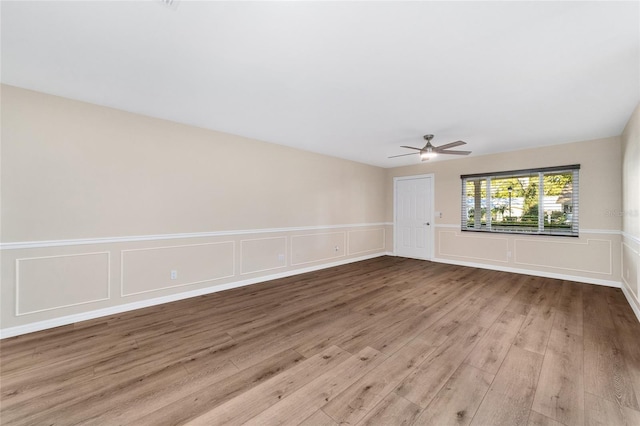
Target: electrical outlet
{"points": [[508, 254], [337, 249], [281, 257], [174, 275]]}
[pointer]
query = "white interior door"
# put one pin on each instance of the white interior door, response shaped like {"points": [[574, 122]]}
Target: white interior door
{"points": [[413, 219]]}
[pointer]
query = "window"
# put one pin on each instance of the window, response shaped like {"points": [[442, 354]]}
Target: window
{"points": [[535, 201]]}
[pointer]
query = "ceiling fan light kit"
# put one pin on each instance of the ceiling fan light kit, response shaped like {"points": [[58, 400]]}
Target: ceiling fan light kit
{"points": [[429, 151], [428, 154]]}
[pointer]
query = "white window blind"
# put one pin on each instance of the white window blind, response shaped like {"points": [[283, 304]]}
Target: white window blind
{"points": [[540, 201]]}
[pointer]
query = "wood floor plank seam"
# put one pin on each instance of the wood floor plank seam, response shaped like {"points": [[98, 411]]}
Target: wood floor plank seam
{"points": [[485, 394], [546, 347], [329, 415]]}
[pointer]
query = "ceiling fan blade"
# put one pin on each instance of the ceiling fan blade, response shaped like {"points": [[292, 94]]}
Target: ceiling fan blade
{"points": [[450, 145], [402, 155], [411, 147], [455, 152]]}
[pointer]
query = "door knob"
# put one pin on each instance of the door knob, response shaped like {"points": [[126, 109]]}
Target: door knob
{"points": [[427, 223]]}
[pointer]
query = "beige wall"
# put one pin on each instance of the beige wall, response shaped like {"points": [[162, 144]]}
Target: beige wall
{"points": [[75, 170], [630, 212], [81, 183], [593, 257]]}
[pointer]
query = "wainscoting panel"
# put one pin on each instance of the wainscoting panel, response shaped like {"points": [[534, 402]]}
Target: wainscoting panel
{"points": [[311, 248], [473, 247], [366, 240], [590, 255], [53, 282], [149, 269], [262, 254], [630, 270]]}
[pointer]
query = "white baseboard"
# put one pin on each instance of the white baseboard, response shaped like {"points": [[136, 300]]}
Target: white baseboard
{"points": [[84, 316], [633, 301], [577, 278]]}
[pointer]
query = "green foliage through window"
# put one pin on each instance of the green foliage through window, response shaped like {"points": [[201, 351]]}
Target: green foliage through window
{"points": [[537, 201]]}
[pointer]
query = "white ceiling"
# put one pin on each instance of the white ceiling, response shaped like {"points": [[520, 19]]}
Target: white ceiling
{"points": [[349, 79]]}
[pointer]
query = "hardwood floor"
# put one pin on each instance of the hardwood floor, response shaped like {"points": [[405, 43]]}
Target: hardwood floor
{"points": [[385, 341]]}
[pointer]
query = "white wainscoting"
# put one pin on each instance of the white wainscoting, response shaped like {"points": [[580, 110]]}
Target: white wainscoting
{"points": [[262, 254], [630, 265], [587, 259], [320, 247], [366, 240], [58, 321], [51, 282], [149, 269], [473, 247], [590, 255]]}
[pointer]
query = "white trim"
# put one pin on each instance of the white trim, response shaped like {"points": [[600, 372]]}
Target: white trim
{"points": [[599, 231], [630, 237], [432, 197], [127, 239], [587, 280], [630, 248], [233, 267], [632, 300], [447, 225], [17, 282], [626, 287], [83, 316]]}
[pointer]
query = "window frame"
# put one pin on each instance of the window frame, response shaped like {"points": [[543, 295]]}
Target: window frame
{"points": [[572, 231]]}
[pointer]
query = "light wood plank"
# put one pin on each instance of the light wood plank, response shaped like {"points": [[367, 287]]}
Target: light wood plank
{"points": [[458, 400], [87, 406], [509, 399], [428, 378], [319, 418], [535, 330], [308, 399], [493, 347], [560, 391], [392, 410], [628, 334], [537, 419], [569, 309], [600, 412], [204, 399], [605, 370], [132, 406], [596, 308], [257, 399], [352, 404]]}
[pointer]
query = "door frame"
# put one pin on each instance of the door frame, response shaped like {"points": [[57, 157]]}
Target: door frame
{"points": [[430, 232]]}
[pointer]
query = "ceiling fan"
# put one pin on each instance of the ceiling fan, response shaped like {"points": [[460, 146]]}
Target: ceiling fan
{"points": [[429, 151]]}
